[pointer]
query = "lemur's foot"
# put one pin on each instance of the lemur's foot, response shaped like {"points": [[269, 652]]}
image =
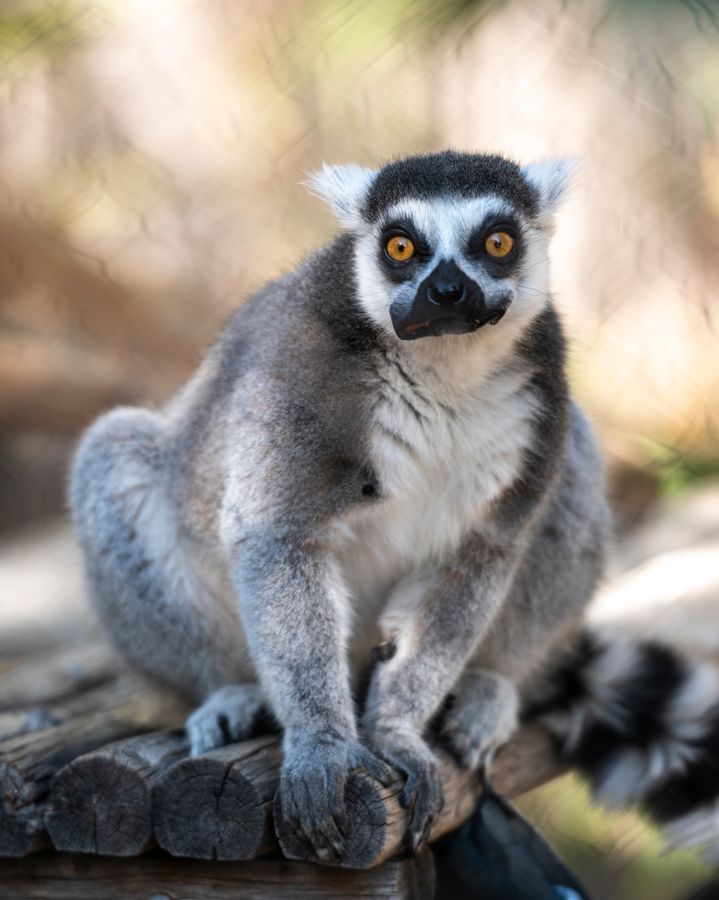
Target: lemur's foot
{"points": [[483, 717], [228, 714], [407, 752]]}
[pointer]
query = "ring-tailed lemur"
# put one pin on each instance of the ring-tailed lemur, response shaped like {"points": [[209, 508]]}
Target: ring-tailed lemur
{"points": [[380, 451]]}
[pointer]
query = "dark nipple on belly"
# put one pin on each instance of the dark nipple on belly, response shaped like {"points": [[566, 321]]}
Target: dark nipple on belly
{"points": [[384, 651]]}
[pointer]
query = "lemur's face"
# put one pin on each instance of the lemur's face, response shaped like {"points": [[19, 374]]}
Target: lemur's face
{"points": [[450, 243], [441, 266]]}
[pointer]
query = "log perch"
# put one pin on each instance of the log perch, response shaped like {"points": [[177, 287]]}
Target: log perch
{"points": [[30, 759], [376, 822], [222, 805], [57, 773], [101, 802], [87, 878], [219, 806]]}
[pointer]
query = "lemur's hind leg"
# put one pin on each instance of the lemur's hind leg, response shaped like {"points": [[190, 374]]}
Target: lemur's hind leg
{"points": [[164, 599], [483, 716]]}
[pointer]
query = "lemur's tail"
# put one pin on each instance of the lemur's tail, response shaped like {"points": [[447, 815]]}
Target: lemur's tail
{"points": [[642, 723]]}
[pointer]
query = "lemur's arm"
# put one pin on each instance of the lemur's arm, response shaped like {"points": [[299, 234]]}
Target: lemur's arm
{"points": [[296, 620], [457, 605], [296, 624], [278, 503], [459, 601]]}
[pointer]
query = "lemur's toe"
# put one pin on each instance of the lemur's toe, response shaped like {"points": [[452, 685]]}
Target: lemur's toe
{"points": [[227, 715], [484, 717], [471, 746], [461, 746]]}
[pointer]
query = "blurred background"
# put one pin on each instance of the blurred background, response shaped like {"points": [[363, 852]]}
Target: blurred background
{"points": [[151, 155]]}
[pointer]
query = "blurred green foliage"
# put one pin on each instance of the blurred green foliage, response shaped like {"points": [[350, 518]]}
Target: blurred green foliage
{"points": [[50, 32], [617, 856], [676, 470]]}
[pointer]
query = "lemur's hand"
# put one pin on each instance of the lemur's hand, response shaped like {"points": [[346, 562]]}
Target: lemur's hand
{"points": [[405, 750], [312, 786]]}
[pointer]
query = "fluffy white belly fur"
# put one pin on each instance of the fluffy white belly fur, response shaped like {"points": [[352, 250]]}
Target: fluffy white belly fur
{"points": [[441, 461]]}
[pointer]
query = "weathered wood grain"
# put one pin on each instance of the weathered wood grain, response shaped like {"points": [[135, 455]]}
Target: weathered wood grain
{"points": [[29, 760], [121, 798], [376, 822], [101, 802], [87, 878], [219, 806]]}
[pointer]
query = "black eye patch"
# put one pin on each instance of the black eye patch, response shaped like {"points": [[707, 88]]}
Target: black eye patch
{"points": [[404, 228], [499, 232], [422, 249]]}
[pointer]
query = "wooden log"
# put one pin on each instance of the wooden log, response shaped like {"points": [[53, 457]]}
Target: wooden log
{"points": [[219, 806], [86, 878], [376, 822], [29, 761], [56, 676], [101, 802], [14, 724]]}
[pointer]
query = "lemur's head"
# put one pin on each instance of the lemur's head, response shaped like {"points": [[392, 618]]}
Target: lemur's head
{"points": [[447, 242]]}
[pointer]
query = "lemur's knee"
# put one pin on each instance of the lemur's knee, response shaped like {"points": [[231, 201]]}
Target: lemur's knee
{"points": [[484, 716], [117, 457]]}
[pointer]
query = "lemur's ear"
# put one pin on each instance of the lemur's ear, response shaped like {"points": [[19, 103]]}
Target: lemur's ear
{"points": [[551, 179], [344, 188]]}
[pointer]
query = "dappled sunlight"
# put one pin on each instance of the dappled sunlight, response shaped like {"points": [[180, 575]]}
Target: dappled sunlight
{"points": [[168, 171]]}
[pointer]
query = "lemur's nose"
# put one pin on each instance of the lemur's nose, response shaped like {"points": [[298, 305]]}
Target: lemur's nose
{"points": [[446, 293], [446, 286]]}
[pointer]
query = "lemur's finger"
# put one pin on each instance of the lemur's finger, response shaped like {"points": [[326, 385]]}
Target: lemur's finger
{"points": [[414, 777], [421, 822], [377, 768]]}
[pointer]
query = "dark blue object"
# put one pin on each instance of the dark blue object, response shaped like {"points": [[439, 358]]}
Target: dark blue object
{"points": [[498, 855]]}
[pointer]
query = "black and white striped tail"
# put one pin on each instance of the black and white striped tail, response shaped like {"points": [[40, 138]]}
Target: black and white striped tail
{"points": [[642, 723]]}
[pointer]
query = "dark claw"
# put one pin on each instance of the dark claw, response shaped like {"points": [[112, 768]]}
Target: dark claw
{"points": [[427, 805], [375, 767], [412, 785], [422, 791]]}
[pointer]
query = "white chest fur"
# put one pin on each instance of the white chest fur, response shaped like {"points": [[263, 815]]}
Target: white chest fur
{"points": [[444, 447]]}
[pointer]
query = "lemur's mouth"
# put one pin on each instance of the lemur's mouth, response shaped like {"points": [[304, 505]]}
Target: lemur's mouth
{"points": [[437, 327], [447, 302]]}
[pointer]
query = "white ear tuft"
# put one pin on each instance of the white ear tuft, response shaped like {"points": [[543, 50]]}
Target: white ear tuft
{"points": [[551, 178], [344, 188]]}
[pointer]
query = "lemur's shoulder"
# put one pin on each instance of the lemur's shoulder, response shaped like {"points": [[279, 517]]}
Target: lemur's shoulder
{"points": [[299, 339], [288, 378], [305, 317]]}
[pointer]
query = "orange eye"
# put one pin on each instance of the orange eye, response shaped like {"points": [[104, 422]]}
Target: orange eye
{"points": [[399, 248], [499, 244]]}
